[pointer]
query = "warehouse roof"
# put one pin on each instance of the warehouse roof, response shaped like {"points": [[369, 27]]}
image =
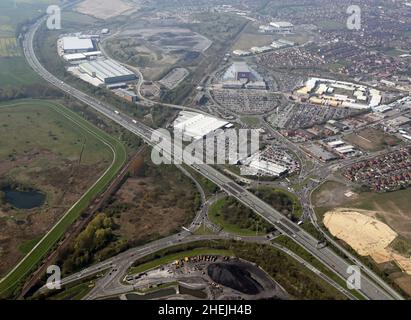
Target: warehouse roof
{"points": [[240, 67], [74, 56], [92, 53], [105, 69], [268, 167], [336, 143], [345, 149], [196, 125], [281, 24], [75, 43]]}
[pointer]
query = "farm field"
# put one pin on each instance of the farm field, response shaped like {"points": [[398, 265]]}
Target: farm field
{"points": [[104, 9], [8, 47], [249, 40], [14, 71], [14, 12], [13, 68], [251, 121], [63, 162]]}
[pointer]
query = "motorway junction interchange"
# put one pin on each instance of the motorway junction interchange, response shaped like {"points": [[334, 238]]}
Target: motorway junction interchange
{"points": [[251, 229]]}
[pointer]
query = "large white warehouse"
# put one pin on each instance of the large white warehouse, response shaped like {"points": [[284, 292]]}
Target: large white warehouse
{"points": [[108, 71], [77, 45], [270, 168], [282, 26], [196, 126]]}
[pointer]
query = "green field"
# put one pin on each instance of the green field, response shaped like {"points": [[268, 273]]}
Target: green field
{"points": [[14, 71], [22, 120], [15, 12], [249, 40], [11, 282], [385, 201], [13, 68], [253, 122], [178, 256]]}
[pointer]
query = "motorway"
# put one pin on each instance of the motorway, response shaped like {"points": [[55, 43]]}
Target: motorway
{"points": [[325, 255]]}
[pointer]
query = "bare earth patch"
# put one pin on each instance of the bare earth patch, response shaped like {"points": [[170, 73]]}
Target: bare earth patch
{"points": [[366, 235], [339, 195], [393, 207], [103, 9], [405, 283], [371, 139], [151, 210]]}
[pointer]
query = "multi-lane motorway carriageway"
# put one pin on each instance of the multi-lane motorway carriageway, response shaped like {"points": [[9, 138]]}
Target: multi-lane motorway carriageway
{"points": [[369, 288]]}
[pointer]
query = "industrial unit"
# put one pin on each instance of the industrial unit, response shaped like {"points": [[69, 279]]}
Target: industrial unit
{"points": [[240, 75], [77, 45], [127, 95], [74, 57], [282, 26], [108, 71], [196, 126], [241, 53], [266, 167]]}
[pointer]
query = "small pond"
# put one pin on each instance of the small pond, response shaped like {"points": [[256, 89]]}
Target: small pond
{"points": [[28, 199]]}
